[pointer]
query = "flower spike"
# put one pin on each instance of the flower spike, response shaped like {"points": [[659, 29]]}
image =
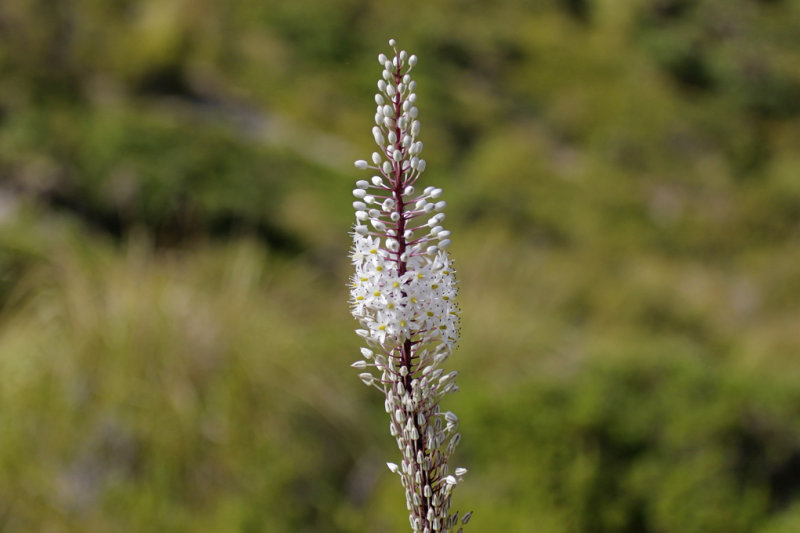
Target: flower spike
{"points": [[403, 296]]}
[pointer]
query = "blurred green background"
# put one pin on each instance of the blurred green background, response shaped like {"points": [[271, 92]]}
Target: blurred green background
{"points": [[623, 179]]}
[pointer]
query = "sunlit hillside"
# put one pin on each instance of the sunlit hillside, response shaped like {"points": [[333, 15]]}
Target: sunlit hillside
{"points": [[623, 186]]}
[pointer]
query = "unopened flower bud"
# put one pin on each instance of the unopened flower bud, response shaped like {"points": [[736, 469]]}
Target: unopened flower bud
{"points": [[376, 133]]}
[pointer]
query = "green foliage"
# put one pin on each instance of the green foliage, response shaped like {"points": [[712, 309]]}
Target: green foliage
{"points": [[624, 183]]}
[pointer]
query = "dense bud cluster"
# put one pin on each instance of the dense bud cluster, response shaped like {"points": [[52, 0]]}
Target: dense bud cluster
{"points": [[403, 295]]}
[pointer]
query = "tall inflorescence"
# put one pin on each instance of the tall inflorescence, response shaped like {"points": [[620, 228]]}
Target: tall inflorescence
{"points": [[403, 295]]}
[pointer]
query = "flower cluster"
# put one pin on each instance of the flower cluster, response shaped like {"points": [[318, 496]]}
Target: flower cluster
{"points": [[403, 295]]}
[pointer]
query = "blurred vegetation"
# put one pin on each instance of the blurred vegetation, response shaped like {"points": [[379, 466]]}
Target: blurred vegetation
{"points": [[624, 187]]}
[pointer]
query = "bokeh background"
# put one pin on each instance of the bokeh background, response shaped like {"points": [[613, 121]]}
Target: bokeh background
{"points": [[623, 179]]}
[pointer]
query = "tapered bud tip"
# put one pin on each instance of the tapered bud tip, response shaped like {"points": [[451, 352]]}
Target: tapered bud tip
{"points": [[359, 364], [366, 352], [393, 467], [361, 164], [450, 480]]}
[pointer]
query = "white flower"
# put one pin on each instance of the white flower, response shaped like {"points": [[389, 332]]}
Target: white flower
{"points": [[403, 294]]}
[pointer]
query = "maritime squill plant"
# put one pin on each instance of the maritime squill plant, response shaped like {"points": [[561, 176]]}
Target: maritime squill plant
{"points": [[403, 295]]}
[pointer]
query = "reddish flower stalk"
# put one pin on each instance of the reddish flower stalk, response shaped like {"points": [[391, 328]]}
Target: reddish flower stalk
{"points": [[403, 294]]}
